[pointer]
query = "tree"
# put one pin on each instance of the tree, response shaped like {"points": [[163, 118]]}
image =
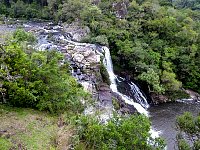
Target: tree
{"points": [[36, 79], [91, 15], [189, 131], [70, 11], [152, 78], [119, 133]]}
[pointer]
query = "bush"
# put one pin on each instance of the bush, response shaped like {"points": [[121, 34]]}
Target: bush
{"points": [[20, 36], [37, 79], [188, 131], [119, 133], [101, 39]]}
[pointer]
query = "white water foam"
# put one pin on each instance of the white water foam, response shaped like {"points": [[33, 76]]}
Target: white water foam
{"points": [[128, 100], [113, 86]]}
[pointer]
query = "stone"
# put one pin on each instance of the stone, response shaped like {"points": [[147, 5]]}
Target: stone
{"points": [[92, 58], [124, 107], [78, 72], [76, 31], [193, 95], [121, 9], [87, 86], [86, 53], [78, 57], [70, 46]]}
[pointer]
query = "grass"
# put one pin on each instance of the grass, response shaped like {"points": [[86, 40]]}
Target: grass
{"points": [[29, 129]]}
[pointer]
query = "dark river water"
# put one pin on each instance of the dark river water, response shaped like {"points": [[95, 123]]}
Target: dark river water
{"points": [[163, 119]]}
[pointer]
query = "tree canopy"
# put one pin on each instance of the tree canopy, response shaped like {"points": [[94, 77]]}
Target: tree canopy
{"points": [[36, 79]]}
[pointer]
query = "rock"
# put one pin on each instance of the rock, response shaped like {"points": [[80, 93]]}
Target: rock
{"points": [[98, 58], [124, 107], [87, 86], [78, 57], [76, 31], [121, 9], [194, 95], [78, 72], [80, 49], [92, 58], [70, 46], [96, 2], [104, 87], [86, 53], [156, 98], [105, 96], [125, 110]]}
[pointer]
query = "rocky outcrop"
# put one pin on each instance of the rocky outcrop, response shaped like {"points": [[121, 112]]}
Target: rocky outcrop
{"points": [[76, 32], [124, 108], [158, 98], [193, 95], [105, 95], [121, 8], [187, 96]]}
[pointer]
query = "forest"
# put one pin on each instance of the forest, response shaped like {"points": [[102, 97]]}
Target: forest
{"points": [[156, 42]]}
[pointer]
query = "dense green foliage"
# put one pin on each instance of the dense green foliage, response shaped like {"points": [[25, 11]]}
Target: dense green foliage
{"points": [[156, 41], [189, 132], [36, 79], [117, 134]]}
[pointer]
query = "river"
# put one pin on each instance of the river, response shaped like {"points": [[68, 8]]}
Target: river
{"points": [[163, 117]]}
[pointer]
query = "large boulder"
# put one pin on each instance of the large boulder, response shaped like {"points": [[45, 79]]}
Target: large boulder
{"points": [[76, 32], [87, 86], [124, 108], [77, 57], [105, 96], [121, 8]]}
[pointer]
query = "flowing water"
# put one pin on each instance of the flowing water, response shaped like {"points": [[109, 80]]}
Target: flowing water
{"points": [[113, 86], [163, 119], [163, 116]]}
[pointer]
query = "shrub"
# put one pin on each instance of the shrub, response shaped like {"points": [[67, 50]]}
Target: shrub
{"points": [[37, 79], [101, 39], [188, 131], [118, 133], [20, 36]]}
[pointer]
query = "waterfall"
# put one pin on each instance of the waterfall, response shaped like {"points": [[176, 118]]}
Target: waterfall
{"points": [[137, 92], [113, 86], [138, 95]]}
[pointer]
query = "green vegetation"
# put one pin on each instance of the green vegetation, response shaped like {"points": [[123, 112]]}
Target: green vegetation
{"points": [[189, 132], [156, 41], [117, 134], [104, 73], [115, 103], [36, 79], [30, 129]]}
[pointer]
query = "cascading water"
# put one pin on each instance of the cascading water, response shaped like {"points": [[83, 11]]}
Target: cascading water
{"points": [[113, 86], [137, 93]]}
